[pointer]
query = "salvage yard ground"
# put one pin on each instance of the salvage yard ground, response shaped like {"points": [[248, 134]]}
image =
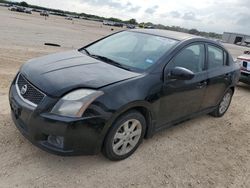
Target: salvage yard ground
{"points": [[203, 152]]}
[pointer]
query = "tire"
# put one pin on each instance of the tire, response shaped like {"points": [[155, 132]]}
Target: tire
{"points": [[224, 104], [125, 136]]}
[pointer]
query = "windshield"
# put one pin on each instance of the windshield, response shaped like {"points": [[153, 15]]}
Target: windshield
{"points": [[131, 49]]}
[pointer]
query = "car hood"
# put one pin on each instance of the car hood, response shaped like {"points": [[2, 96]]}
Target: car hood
{"points": [[245, 57], [59, 73]]}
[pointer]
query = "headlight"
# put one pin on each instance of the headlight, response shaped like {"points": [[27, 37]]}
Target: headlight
{"points": [[75, 103]]}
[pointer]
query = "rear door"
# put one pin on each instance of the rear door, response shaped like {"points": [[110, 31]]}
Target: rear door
{"points": [[219, 75], [184, 97]]}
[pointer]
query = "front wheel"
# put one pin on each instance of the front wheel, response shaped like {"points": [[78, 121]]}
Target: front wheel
{"points": [[224, 104], [125, 136]]}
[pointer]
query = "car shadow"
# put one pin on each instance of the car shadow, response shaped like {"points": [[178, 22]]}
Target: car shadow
{"points": [[95, 162]]}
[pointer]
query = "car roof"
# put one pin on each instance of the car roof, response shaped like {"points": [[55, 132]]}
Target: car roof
{"points": [[166, 33]]}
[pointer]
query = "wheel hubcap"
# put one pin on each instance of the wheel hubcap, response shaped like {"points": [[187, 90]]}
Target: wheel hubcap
{"points": [[127, 137], [225, 103]]}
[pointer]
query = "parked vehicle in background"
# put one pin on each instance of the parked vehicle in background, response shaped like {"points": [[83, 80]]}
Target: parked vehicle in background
{"points": [[69, 18], [244, 61], [149, 27], [17, 9], [12, 8], [36, 10], [5, 5], [105, 22], [44, 13], [111, 94], [117, 24], [28, 11], [76, 17], [20, 9], [130, 26], [111, 23], [247, 41]]}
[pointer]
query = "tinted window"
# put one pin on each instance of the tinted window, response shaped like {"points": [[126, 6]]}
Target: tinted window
{"points": [[191, 58], [132, 49], [215, 57]]}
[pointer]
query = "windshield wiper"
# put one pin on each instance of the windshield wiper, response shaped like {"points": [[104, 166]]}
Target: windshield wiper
{"points": [[110, 61]]}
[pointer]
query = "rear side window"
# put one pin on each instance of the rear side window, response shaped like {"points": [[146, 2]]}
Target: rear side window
{"points": [[191, 57], [215, 57]]}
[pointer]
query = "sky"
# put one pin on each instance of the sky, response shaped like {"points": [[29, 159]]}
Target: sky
{"points": [[204, 15]]}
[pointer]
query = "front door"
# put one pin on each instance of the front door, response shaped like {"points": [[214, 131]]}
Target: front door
{"points": [[181, 98]]}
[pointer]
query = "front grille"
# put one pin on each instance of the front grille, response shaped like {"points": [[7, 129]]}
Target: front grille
{"points": [[28, 91]]}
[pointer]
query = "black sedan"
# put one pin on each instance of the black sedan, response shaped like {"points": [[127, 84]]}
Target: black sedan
{"points": [[113, 93]]}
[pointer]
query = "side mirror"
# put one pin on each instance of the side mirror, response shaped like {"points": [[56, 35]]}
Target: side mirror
{"points": [[181, 73]]}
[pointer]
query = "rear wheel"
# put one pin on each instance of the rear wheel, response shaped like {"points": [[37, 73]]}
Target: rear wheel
{"points": [[125, 136], [224, 104]]}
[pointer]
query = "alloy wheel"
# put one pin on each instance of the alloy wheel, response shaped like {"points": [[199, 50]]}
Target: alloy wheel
{"points": [[126, 137], [225, 103]]}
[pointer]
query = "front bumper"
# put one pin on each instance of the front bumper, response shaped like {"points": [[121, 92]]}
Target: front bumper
{"points": [[76, 136]]}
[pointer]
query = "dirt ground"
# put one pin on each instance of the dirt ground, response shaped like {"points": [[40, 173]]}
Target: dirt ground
{"points": [[203, 152]]}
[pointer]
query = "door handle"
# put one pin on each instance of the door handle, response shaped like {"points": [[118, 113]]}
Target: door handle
{"points": [[202, 84]]}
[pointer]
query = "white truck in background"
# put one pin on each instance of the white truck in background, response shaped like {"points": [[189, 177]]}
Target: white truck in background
{"points": [[244, 61]]}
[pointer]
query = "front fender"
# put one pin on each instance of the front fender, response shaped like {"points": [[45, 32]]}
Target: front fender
{"points": [[130, 106]]}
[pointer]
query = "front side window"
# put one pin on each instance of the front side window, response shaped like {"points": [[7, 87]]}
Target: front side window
{"points": [[191, 57], [215, 57], [131, 49]]}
